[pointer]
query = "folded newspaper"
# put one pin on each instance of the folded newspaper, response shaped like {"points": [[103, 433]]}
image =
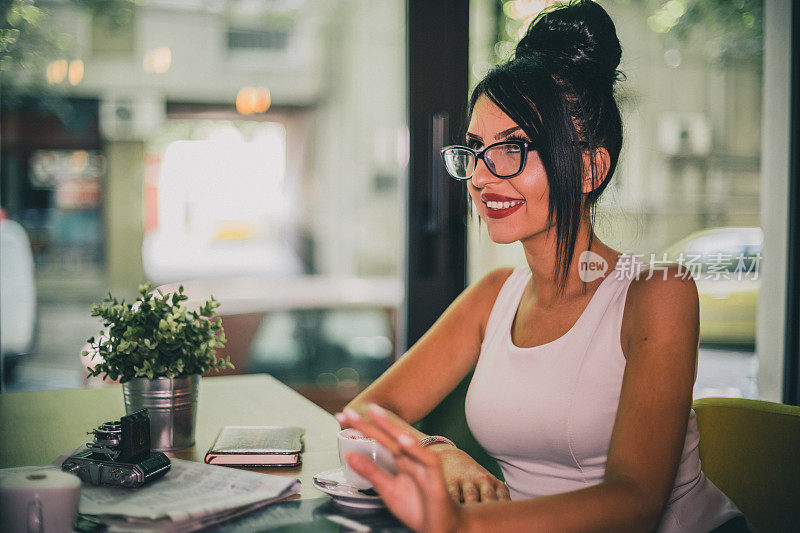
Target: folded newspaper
{"points": [[189, 497]]}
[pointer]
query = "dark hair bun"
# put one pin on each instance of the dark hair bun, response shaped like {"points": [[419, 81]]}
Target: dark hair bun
{"points": [[579, 36]]}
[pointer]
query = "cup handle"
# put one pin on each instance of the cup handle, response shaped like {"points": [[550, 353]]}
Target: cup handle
{"points": [[35, 516]]}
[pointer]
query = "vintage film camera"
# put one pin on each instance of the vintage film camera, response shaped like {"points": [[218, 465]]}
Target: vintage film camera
{"points": [[120, 454]]}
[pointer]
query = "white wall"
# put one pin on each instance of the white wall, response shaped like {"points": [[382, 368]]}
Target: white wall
{"points": [[359, 135], [203, 69], [774, 198]]}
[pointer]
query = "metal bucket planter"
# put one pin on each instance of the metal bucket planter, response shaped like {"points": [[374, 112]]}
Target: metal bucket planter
{"points": [[172, 403]]}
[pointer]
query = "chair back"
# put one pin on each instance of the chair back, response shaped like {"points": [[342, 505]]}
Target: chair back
{"points": [[750, 449]]}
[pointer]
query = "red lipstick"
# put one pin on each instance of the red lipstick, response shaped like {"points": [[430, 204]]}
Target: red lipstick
{"points": [[493, 197]]}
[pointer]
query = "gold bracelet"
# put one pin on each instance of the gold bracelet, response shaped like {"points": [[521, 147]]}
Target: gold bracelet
{"points": [[427, 441]]}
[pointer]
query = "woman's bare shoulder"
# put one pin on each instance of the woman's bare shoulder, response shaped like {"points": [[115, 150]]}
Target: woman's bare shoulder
{"points": [[661, 304], [656, 286], [483, 293], [486, 289], [496, 278]]}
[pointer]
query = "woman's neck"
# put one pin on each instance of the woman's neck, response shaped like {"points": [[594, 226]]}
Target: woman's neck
{"points": [[541, 255]]}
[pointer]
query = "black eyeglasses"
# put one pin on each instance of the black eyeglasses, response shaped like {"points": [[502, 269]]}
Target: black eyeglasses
{"points": [[505, 159]]}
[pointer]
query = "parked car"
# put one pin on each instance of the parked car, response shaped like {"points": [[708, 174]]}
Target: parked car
{"points": [[726, 270], [17, 293]]}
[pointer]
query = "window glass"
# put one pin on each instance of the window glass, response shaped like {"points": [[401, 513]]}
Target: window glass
{"points": [[253, 150]]}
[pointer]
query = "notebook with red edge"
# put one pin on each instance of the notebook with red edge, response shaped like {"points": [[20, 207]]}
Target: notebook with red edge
{"points": [[257, 446]]}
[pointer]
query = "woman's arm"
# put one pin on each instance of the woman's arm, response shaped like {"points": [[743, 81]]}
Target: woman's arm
{"points": [[421, 378], [659, 339], [437, 362]]}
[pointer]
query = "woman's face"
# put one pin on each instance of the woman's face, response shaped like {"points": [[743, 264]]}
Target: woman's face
{"points": [[528, 189]]}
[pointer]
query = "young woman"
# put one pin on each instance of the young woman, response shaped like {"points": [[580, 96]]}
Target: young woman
{"points": [[582, 383]]}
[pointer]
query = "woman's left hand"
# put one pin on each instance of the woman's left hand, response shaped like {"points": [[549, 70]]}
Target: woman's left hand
{"points": [[417, 494]]}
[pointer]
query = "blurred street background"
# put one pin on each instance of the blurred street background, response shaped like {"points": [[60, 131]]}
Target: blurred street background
{"points": [[258, 151]]}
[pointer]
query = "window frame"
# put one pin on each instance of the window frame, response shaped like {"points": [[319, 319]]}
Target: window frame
{"points": [[791, 361]]}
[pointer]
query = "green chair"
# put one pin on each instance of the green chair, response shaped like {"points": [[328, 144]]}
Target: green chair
{"points": [[750, 449]]}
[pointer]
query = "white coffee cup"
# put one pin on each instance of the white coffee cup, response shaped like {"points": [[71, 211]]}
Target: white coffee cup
{"points": [[353, 441], [39, 501]]}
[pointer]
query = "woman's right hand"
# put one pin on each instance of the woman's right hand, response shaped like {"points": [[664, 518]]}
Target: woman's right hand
{"points": [[466, 480], [416, 493]]}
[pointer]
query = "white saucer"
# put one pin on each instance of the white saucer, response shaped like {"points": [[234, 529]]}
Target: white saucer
{"points": [[333, 483]]}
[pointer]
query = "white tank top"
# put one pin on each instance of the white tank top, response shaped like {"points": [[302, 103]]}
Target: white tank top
{"points": [[546, 413]]}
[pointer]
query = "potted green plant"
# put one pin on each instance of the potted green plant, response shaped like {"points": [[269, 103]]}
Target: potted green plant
{"points": [[158, 349]]}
